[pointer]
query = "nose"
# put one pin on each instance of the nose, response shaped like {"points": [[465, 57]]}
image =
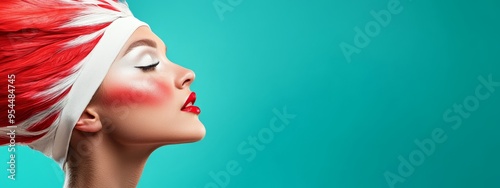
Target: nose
{"points": [[185, 78]]}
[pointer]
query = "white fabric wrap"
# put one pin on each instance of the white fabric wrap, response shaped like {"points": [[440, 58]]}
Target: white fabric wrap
{"points": [[93, 71]]}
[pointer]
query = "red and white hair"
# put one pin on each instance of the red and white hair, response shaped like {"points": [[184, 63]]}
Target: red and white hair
{"points": [[44, 44]]}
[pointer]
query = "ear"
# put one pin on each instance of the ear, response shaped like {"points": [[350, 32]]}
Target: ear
{"points": [[89, 121]]}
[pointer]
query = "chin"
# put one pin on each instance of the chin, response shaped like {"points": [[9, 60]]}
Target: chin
{"points": [[194, 133], [197, 133]]}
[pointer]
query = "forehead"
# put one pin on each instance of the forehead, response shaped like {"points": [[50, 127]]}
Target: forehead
{"points": [[142, 36]]}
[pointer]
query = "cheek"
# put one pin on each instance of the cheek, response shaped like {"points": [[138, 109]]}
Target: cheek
{"points": [[150, 92]]}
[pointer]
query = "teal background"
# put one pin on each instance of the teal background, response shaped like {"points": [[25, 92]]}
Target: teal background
{"points": [[352, 120]]}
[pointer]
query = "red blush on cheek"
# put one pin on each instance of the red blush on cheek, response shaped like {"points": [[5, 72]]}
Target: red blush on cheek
{"points": [[150, 92]]}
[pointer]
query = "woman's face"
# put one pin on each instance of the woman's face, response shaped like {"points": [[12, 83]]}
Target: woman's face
{"points": [[143, 96]]}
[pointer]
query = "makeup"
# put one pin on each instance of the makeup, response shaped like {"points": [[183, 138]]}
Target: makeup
{"points": [[146, 91], [188, 105]]}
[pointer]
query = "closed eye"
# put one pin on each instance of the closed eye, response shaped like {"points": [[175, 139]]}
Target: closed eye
{"points": [[148, 67]]}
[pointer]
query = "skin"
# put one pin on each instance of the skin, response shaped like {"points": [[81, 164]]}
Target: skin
{"points": [[133, 112]]}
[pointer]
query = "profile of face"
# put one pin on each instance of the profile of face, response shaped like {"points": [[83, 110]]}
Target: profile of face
{"points": [[145, 97]]}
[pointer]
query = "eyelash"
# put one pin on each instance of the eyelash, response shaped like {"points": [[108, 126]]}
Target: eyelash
{"points": [[148, 67]]}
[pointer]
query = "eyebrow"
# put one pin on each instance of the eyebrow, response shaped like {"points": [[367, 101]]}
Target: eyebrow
{"points": [[142, 42]]}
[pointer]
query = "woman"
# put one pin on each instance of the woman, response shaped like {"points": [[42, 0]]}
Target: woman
{"points": [[90, 86]]}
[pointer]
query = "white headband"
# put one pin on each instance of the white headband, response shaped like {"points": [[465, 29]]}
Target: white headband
{"points": [[94, 69]]}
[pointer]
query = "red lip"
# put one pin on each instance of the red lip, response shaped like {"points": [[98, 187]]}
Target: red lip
{"points": [[191, 108]]}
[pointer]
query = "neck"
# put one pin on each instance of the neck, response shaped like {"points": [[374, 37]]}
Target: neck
{"points": [[105, 165]]}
